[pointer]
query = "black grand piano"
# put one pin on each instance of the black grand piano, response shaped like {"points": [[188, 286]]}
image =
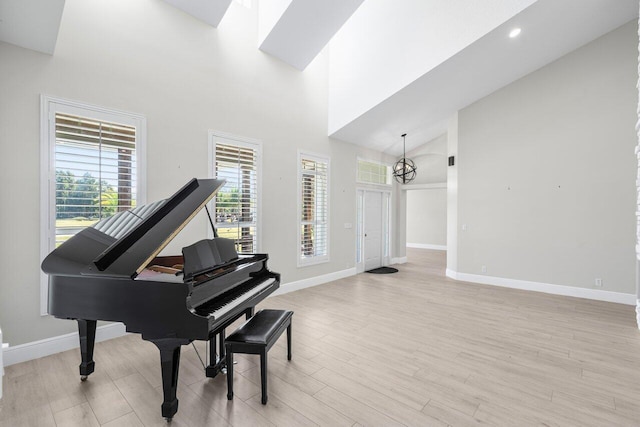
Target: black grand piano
{"points": [[112, 271]]}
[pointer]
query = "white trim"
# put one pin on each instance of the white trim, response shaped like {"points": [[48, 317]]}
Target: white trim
{"points": [[389, 173], [314, 281], [548, 288], [36, 349], [399, 260], [638, 313], [387, 197], [427, 246], [2, 347], [241, 141], [49, 105], [433, 186]]}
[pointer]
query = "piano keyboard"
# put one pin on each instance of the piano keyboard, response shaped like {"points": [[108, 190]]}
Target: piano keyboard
{"points": [[232, 303]]}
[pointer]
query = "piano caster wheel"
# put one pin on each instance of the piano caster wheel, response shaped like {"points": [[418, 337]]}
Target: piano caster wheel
{"points": [[168, 419], [83, 377]]}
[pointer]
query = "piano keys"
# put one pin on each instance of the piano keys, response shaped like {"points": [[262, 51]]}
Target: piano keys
{"points": [[112, 271]]}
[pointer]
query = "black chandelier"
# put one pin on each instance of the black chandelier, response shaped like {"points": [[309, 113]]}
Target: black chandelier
{"points": [[404, 171]]}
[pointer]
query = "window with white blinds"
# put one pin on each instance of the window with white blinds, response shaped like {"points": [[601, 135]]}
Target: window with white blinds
{"points": [[236, 203], [313, 204], [95, 172], [92, 161]]}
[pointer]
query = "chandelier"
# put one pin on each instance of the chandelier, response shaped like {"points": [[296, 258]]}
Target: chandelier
{"points": [[404, 171]]}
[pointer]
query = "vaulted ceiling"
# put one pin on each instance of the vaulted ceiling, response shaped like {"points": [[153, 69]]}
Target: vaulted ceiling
{"points": [[296, 31]]}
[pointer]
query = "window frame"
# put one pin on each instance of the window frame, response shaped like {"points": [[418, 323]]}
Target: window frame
{"points": [[304, 262], [240, 141], [387, 165], [49, 106]]}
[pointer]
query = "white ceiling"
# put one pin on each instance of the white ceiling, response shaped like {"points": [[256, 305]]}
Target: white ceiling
{"points": [[550, 29], [303, 28], [209, 11], [32, 24]]}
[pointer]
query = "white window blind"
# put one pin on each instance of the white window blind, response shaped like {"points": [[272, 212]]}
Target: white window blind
{"points": [[236, 203], [314, 209], [95, 172]]}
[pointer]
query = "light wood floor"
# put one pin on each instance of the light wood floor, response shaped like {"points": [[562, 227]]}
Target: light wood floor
{"points": [[411, 348]]}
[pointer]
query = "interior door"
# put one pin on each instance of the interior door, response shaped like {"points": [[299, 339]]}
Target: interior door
{"points": [[373, 227]]}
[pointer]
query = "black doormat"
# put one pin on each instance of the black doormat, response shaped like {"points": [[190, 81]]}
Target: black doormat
{"points": [[383, 270]]}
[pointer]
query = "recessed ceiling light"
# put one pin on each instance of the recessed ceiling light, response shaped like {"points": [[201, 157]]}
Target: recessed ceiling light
{"points": [[515, 32]]}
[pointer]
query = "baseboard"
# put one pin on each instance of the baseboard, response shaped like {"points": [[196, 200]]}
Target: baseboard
{"points": [[314, 281], [399, 260], [36, 349], [427, 246], [548, 288], [638, 313]]}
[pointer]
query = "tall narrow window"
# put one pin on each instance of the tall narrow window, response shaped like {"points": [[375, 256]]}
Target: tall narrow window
{"points": [[237, 161], [91, 163], [313, 205]]}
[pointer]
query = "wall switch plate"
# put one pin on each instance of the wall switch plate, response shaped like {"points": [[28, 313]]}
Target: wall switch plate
{"points": [[598, 282], [484, 268]]}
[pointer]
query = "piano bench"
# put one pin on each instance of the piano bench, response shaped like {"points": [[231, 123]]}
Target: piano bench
{"points": [[256, 336]]}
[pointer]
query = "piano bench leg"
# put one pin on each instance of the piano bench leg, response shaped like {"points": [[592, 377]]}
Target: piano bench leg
{"points": [[263, 374], [229, 357], [251, 338]]}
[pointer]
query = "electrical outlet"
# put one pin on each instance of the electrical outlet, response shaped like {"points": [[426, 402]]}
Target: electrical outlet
{"points": [[484, 268], [598, 282]]}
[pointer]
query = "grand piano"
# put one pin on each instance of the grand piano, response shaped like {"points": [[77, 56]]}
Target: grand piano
{"points": [[112, 271]]}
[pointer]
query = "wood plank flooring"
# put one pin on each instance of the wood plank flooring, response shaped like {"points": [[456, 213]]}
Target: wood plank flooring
{"points": [[412, 348]]}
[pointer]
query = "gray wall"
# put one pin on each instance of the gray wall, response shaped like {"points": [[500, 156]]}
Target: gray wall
{"points": [[427, 208], [427, 217], [186, 78], [547, 171]]}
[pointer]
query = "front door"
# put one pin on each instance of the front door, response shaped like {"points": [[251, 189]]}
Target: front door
{"points": [[373, 238]]}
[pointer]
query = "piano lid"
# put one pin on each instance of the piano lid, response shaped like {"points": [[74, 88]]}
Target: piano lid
{"points": [[124, 244]]}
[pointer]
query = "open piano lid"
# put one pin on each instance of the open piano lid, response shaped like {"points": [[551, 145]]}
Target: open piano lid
{"points": [[124, 251]]}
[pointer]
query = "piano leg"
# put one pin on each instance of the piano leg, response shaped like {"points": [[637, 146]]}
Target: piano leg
{"points": [[170, 362], [217, 360], [249, 313], [87, 332]]}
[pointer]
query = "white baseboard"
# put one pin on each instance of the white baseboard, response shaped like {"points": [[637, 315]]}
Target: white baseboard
{"points": [[548, 288], [314, 281], [399, 260], [638, 313], [427, 246], [36, 349]]}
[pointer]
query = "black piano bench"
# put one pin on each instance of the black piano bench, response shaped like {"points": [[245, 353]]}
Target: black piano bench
{"points": [[257, 336]]}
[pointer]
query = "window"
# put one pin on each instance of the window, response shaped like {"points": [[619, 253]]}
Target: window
{"points": [[313, 193], [91, 169], [372, 172], [237, 160]]}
